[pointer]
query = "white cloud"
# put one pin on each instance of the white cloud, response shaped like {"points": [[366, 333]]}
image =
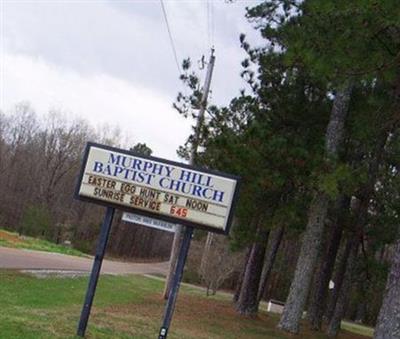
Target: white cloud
{"points": [[144, 114], [111, 61], [128, 39]]}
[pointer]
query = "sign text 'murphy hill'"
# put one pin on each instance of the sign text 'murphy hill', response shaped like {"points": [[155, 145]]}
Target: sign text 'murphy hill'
{"points": [[148, 172], [162, 188]]}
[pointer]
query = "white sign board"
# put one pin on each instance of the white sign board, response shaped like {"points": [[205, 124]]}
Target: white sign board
{"points": [[156, 187], [149, 222]]}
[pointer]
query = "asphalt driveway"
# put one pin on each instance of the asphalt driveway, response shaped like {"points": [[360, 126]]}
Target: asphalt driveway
{"points": [[20, 259]]}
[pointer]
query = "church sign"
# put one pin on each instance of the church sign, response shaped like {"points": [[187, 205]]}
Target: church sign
{"points": [[157, 188]]}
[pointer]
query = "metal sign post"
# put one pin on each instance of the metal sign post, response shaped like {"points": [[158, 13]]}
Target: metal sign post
{"points": [[176, 282], [94, 276]]}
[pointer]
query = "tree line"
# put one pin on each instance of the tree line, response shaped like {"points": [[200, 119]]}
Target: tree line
{"points": [[40, 160], [315, 138]]}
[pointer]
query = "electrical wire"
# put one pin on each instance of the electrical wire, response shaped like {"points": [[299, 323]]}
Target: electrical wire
{"points": [[171, 40]]}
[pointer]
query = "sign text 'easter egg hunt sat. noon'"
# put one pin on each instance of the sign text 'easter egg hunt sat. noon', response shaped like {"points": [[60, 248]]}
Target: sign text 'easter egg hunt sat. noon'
{"points": [[156, 187]]}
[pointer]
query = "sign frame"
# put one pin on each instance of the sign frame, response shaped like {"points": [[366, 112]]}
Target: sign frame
{"points": [[164, 217]]}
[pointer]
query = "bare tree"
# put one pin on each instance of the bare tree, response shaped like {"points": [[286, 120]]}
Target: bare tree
{"points": [[220, 265]]}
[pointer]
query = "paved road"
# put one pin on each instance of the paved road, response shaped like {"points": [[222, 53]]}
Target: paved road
{"points": [[36, 260]]}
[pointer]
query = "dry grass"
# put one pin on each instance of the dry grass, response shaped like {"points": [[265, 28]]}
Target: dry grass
{"points": [[9, 237], [13, 240], [125, 307]]}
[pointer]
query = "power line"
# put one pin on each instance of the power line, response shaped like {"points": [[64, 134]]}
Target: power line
{"points": [[171, 40]]}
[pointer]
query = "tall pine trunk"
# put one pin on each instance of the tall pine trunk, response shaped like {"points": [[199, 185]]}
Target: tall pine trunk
{"points": [[269, 261], [345, 291], [338, 280], [290, 319], [361, 208], [247, 303], [298, 293], [238, 288], [388, 324], [318, 295]]}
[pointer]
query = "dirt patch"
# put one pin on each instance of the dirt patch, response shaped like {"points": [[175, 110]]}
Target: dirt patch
{"points": [[199, 317], [13, 238]]}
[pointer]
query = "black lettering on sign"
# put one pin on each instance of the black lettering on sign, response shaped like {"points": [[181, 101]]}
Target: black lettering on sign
{"points": [[128, 188], [171, 199], [101, 182], [145, 203], [197, 205], [103, 193], [149, 193]]}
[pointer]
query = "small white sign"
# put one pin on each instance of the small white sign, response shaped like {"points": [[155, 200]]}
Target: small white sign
{"points": [[149, 222], [155, 187]]}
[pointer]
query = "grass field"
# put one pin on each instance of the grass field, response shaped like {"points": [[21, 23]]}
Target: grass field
{"points": [[124, 307], [10, 239]]}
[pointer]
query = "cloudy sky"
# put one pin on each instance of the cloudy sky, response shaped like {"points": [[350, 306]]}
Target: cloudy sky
{"points": [[112, 61]]}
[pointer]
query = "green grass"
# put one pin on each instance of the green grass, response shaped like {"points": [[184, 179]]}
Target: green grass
{"points": [[358, 328], [124, 307], [10, 239]]}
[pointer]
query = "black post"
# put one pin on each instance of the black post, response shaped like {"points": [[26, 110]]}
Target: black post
{"points": [[169, 309], [94, 276]]}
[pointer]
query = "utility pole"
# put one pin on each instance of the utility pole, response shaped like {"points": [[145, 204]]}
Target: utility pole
{"points": [[193, 152]]}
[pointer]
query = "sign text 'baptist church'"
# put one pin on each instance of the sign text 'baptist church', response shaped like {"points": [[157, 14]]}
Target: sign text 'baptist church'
{"points": [[171, 191]]}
